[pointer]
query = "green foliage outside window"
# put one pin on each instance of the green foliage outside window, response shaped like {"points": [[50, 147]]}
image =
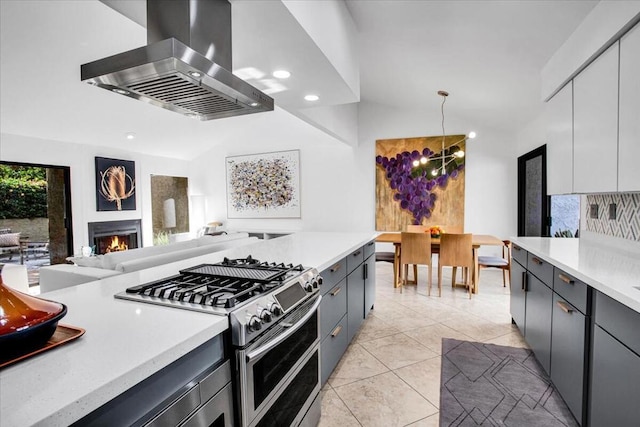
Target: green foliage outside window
{"points": [[23, 192]]}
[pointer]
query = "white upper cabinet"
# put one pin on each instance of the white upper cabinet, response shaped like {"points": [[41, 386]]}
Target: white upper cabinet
{"points": [[559, 125], [595, 120], [629, 138]]}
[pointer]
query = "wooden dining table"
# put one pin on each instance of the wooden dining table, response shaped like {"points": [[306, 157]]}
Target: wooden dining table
{"points": [[477, 241]]}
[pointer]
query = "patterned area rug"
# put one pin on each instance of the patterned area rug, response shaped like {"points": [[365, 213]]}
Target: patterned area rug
{"points": [[494, 385]]}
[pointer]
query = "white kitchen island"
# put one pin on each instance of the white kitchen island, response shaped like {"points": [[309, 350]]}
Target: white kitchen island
{"points": [[126, 342]]}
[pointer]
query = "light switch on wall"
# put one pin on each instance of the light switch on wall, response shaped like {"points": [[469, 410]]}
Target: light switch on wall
{"points": [[593, 211], [612, 211]]}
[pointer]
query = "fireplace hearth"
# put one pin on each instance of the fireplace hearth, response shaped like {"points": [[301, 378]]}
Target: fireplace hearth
{"points": [[111, 236]]}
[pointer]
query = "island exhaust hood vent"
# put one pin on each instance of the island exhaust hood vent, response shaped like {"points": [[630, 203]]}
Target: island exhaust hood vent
{"points": [[184, 67]]}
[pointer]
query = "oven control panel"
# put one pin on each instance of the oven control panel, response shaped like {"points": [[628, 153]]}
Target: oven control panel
{"points": [[252, 319]]}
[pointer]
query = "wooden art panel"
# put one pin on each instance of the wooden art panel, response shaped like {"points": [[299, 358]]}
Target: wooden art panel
{"points": [[447, 210]]}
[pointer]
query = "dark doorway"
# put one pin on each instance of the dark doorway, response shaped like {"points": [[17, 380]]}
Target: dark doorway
{"points": [[46, 231], [533, 202]]}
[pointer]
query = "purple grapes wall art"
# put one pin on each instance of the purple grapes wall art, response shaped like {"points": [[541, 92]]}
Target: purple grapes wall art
{"points": [[413, 177]]}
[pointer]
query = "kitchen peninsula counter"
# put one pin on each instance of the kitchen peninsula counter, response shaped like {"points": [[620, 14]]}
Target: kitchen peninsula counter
{"points": [[126, 342], [612, 271]]}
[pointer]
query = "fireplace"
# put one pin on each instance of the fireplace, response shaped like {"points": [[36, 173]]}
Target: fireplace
{"points": [[111, 236]]}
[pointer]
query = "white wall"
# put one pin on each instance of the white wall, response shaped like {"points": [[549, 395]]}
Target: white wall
{"points": [[80, 158], [338, 181], [326, 171], [532, 136]]}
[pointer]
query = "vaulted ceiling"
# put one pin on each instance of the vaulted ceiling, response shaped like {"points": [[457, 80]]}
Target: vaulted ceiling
{"points": [[488, 54]]}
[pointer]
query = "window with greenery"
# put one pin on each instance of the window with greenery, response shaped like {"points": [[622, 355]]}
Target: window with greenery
{"points": [[23, 192]]}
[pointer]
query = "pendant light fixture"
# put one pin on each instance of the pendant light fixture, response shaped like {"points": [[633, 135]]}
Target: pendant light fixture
{"points": [[449, 152]]}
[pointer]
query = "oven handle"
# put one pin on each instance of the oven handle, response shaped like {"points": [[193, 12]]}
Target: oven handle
{"points": [[288, 332]]}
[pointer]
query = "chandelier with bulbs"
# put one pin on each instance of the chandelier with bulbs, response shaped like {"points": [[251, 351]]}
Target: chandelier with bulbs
{"points": [[445, 162]]}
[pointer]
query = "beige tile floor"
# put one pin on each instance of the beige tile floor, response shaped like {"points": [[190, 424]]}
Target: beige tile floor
{"points": [[390, 374]]}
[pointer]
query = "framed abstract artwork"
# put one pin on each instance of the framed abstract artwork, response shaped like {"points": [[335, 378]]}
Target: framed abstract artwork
{"points": [[115, 185], [264, 185]]}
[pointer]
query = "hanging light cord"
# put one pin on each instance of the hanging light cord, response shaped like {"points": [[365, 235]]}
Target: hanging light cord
{"points": [[444, 99]]}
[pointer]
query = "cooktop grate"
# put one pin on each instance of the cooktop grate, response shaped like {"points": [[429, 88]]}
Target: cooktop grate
{"points": [[253, 273]]}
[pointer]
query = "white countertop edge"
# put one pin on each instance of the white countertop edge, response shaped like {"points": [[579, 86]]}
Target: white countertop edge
{"points": [[323, 266], [609, 290]]}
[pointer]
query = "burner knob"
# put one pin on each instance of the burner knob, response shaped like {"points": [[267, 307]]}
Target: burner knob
{"points": [[314, 282], [320, 280], [308, 287], [266, 316], [254, 324], [275, 309]]}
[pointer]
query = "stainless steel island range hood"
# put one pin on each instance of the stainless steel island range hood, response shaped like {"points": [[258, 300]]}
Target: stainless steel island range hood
{"points": [[185, 65]]}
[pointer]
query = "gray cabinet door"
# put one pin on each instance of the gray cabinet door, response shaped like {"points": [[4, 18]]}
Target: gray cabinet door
{"points": [[369, 284], [518, 295], [568, 354], [615, 383], [332, 348], [538, 320], [355, 301]]}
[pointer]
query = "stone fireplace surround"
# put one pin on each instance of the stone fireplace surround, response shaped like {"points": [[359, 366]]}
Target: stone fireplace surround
{"points": [[130, 229]]}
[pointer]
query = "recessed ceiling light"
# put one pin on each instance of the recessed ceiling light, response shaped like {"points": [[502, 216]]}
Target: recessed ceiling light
{"points": [[281, 74], [130, 135], [311, 97], [254, 104], [472, 134], [195, 74], [120, 91]]}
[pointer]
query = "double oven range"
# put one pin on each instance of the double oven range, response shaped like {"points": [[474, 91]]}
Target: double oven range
{"points": [[274, 332]]}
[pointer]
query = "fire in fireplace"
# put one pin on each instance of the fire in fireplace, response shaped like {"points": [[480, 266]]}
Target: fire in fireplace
{"points": [[113, 236], [113, 244]]}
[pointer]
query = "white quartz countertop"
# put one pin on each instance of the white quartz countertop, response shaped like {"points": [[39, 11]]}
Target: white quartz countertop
{"points": [[126, 341], [614, 272]]}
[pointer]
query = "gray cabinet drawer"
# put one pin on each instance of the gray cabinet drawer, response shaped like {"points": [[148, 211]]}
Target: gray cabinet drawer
{"points": [[539, 301], [571, 289], [354, 259], [332, 348], [519, 254], [615, 383], [333, 307], [568, 354], [541, 269], [619, 320], [369, 249], [332, 275]]}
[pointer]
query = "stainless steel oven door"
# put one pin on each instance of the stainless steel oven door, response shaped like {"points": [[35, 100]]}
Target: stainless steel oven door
{"points": [[287, 356]]}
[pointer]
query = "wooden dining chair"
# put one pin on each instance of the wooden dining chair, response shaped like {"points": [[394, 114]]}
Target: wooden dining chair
{"points": [[412, 228], [456, 250], [503, 263], [416, 249]]}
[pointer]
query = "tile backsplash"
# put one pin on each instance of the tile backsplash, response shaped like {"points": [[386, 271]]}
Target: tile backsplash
{"points": [[627, 213]]}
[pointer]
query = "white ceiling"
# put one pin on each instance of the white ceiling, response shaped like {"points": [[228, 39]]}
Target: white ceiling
{"points": [[487, 54]]}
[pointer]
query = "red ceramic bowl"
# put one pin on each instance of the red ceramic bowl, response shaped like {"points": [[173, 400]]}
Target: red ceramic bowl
{"points": [[26, 322]]}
